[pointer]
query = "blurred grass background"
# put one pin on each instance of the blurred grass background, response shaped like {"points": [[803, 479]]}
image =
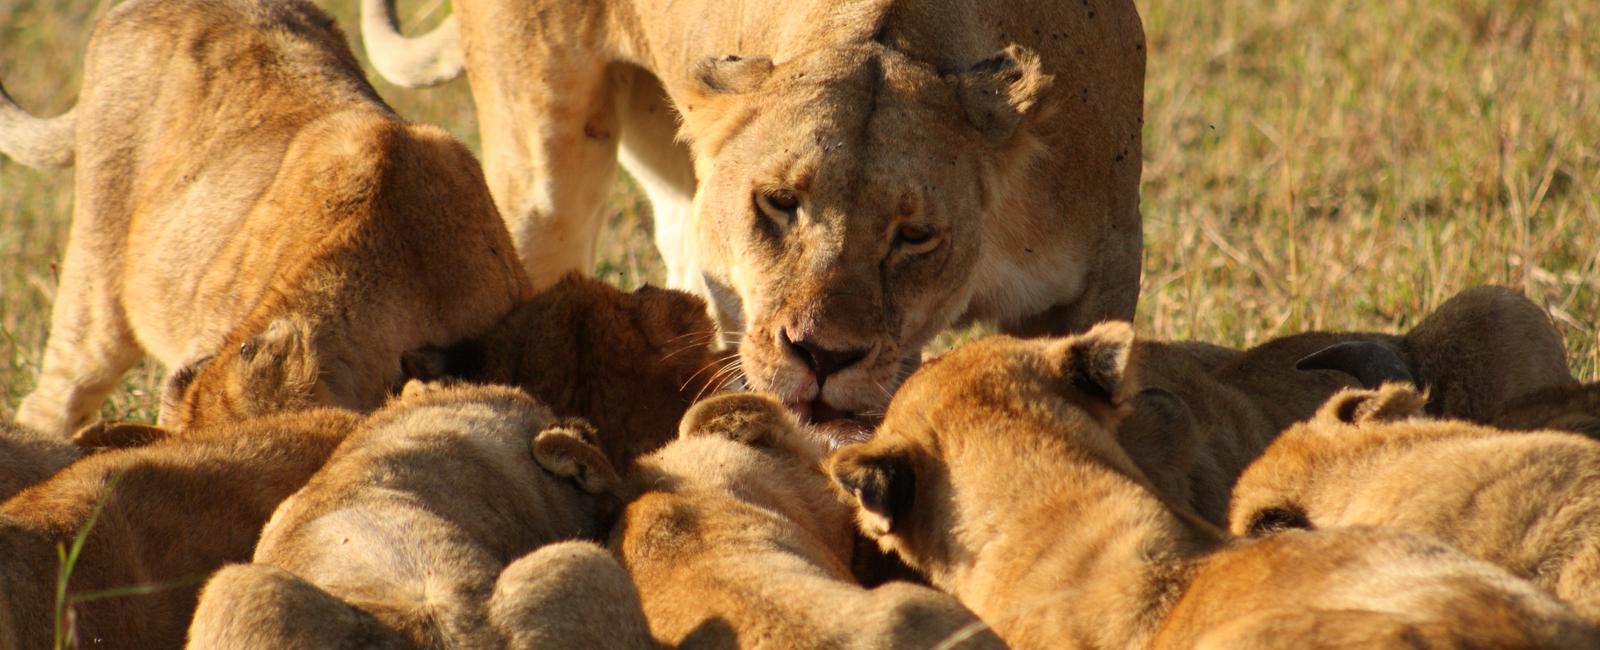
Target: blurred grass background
{"points": [[1340, 164]]}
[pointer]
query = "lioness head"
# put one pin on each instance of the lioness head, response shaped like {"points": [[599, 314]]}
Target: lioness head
{"points": [[841, 210], [982, 427], [275, 370]]}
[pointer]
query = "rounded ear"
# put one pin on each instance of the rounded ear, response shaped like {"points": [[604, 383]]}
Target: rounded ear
{"points": [[882, 482], [124, 435], [1001, 92], [730, 74], [177, 385], [752, 418], [1391, 403], [1370, 362], [567, 449], [1098, 363], [674, 320]]}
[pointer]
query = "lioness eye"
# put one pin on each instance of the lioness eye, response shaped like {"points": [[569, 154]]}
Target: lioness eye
{"points": [[779, 207], [912, 234], [783, 200]]}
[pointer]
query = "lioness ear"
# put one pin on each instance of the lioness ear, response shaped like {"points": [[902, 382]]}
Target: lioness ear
{"points": [[1392, 403], [1099, 362], [103, 435], [1370, 362], [731, 74], [566, 449], [999, 93], [882, 482]]}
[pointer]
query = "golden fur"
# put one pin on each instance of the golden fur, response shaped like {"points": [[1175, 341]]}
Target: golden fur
{"points": [[737, 541], [424, 520], [234, 168], [171, 512], [997, 472], [852, 176], [629, 363], [1527, 501], [1206, 412]]}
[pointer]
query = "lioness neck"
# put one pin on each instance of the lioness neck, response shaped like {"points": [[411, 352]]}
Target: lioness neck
{"points": [[1105, 576]]}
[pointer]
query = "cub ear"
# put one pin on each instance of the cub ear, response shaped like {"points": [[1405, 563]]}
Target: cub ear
{"points": [[882, 482], [176, 387], [1270, 521], [1099, 362], [1392, 403], [1001, 92], [731, 74], [674, 320], [103, 435], [1370, 362], [567, 449], [751, 418]]}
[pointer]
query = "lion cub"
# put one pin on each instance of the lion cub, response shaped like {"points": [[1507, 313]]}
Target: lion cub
{"points": [[997, 472], [629, 363], [28, 457], [1527, 501], [422, 529], [736, 540], [234, 168], [1205, 412], [169, 513]]}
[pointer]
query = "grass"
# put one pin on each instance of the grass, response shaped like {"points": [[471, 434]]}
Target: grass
{"points": [[1342, 164]]}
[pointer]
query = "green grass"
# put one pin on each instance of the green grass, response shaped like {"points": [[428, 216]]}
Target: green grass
{"points": [[1336, 164]]}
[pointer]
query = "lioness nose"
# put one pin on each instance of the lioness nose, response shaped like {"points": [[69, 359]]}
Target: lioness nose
{"points": [[821, 360]]}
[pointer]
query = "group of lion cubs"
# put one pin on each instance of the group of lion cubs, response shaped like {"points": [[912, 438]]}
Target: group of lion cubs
{"points": [[297, 254]]}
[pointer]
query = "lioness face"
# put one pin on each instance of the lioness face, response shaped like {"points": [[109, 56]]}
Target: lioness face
{"points": [[840, 221]]}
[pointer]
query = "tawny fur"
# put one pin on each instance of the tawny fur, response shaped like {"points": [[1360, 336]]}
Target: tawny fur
{"points": [[424, 521], [233, 167], [1010, 153], [171, 512], [629, 363], [1212, 410], [736, 540], [1527, 501], [28, 457], [997, 472]]}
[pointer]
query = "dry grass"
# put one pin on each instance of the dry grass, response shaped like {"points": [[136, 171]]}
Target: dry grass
{"points": [[1333, 164]]}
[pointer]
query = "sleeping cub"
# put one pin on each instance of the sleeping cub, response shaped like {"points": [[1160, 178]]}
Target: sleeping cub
{"points": [[1527, 501], [423, 529]]}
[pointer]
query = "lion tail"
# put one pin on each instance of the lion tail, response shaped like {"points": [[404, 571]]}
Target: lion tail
{"points": [[427, 60], [33, 141]]}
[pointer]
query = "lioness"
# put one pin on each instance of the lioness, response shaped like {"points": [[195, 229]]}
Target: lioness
{"points": [[736, 540], [419, 520], [163, 516], [1527, 501], [997, 471], [842, 179], [629, 363], [234, 168]]}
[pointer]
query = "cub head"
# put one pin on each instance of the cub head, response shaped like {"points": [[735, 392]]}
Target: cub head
{"points": [[274, 370], [841, 210], [631, 363], [981, 427], [1278, 490]]}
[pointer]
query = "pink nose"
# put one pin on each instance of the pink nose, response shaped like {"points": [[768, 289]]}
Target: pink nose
{"points": [[821, 360]]}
